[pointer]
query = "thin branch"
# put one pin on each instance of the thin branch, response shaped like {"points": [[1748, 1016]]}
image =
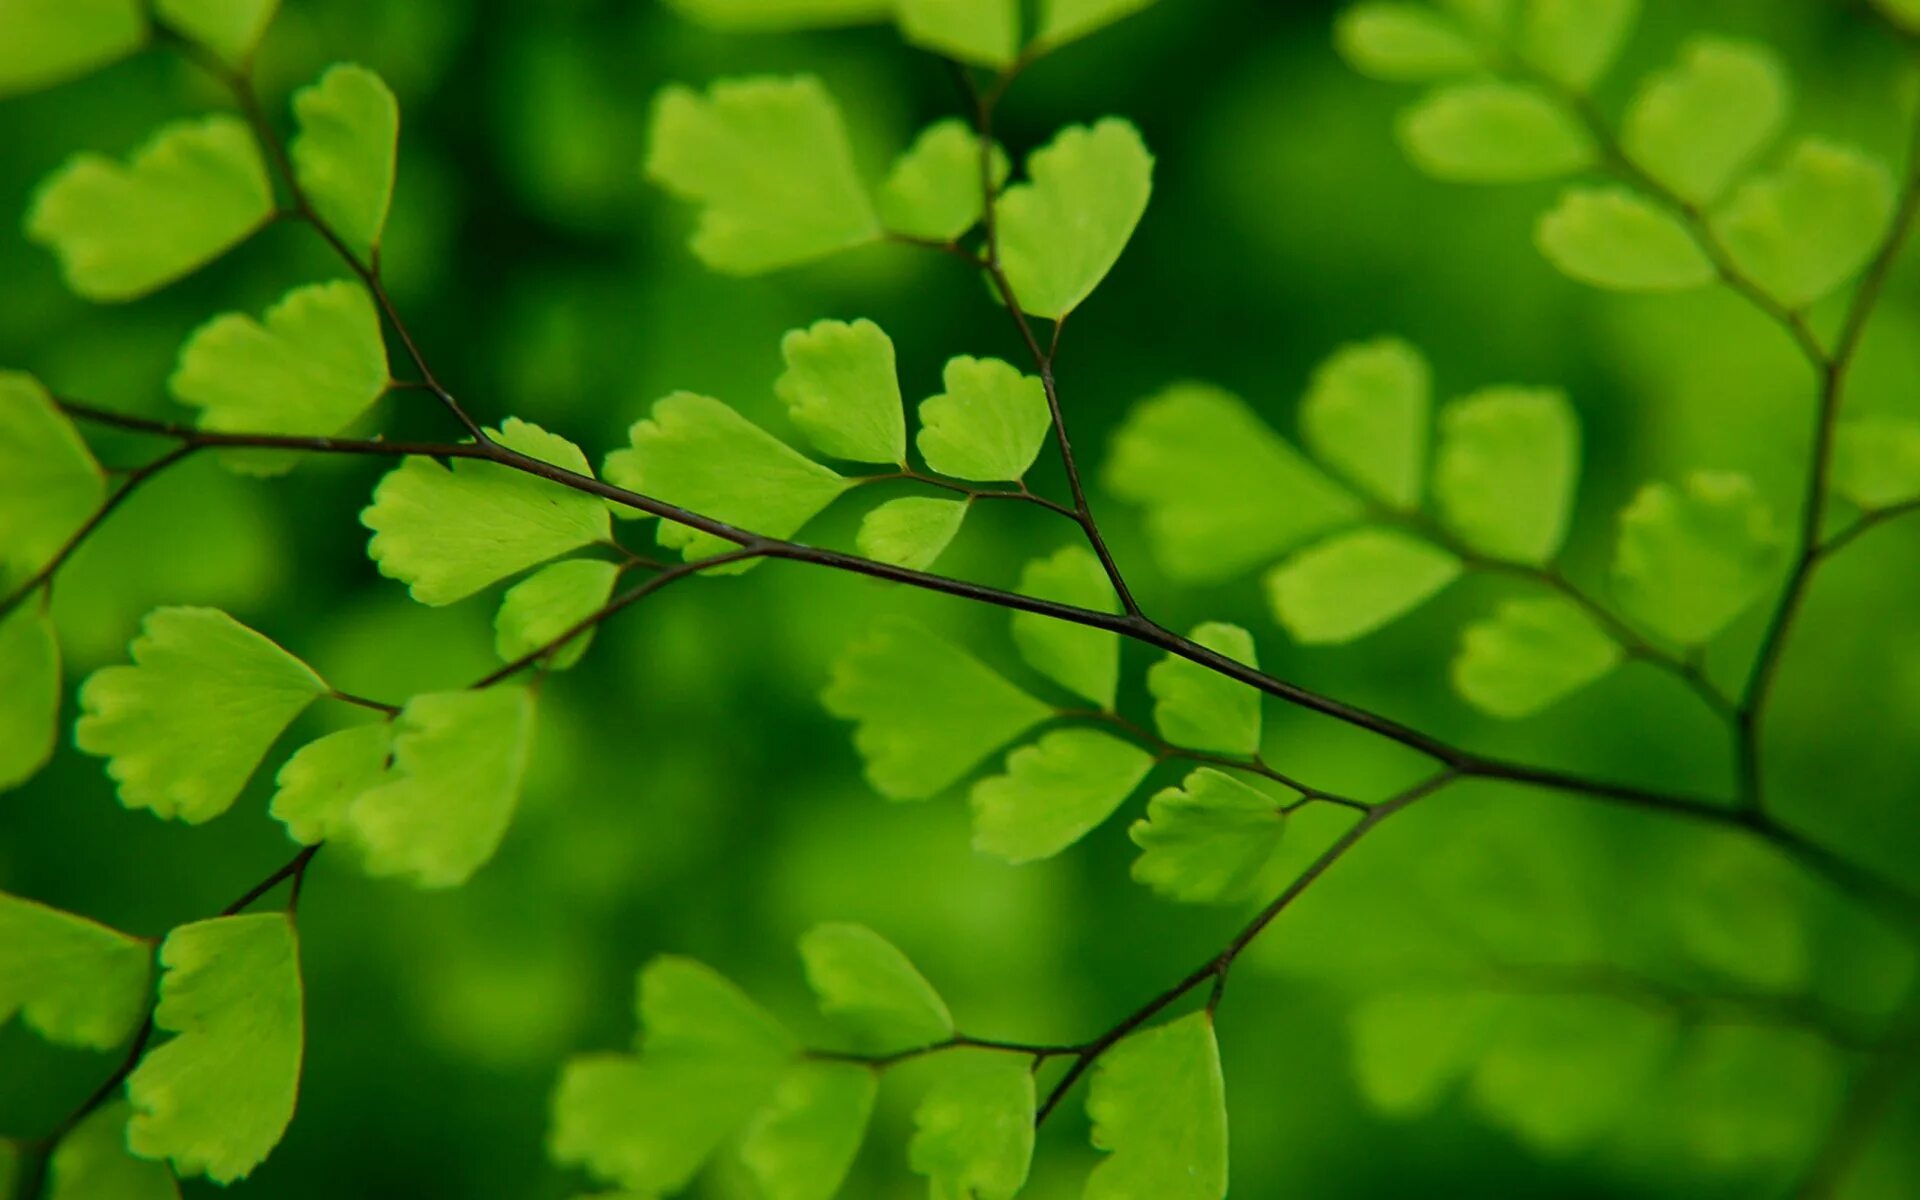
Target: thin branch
{"points": [[1869, 521]]}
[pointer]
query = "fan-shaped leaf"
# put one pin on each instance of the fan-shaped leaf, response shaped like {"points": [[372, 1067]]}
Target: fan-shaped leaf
{"points": [[1561, 1070], [541, 608], [1574, 41], [776, 15], [933, 189], [1494, 132], [1804, 230], [343, 155], [1201, 709], [29, 690], [1410, 1048], [232, 29], [1159, 1108], [1354, 583], [76, 982], [49, 482], [983, 32], [1695, 124], [92, 1163], [1505, 474], [1084, 660], [1054, 793], [1366, 415], [802, 1145], [1614, 238], [842, 390], [910, 532], [1206, 840], [44, 42], [973, 1131], [988, 425], [1063, 21], [1062, 231], [325, 776], [871, 990], [1876, 461], [1691, 558], [1529, 654], [1403, 43]]}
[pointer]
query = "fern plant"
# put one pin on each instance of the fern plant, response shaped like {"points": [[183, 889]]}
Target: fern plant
{"points": [[1773, 1009]]}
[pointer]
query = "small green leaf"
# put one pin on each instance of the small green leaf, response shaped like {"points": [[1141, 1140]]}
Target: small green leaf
{"points": [[1903, 13], [1054, 793], [1808, 227], [928, 711], [700, 454], [1574, 41], [1062, 231], [75, 982], [458, 760], [29, 690], [1692, 558], [1200, 709], [1084, 660], [1561, 1071], [92, 1163], [710, 1057], [973, 1131], [232, 29], [933, 189], [343, 155], [1410, 1048], [1614, 238], [782, 15], [195, 190], [1366, 415], [1494, 132], [1694, 125], [1505, 474], [1354, 583], [802, 1145], [1159, 1108], [185, 726], [50, 484], [448, 533], [1403, 43], [314, 366], [988, 425], [842, 390], [324, 777], [216, 1099], [910, 532], [542, 607], [1223, 492], [1063, 21], [985, 33], [1736, 909], [769, 162], [1529, 654], [869, 989], [1207, 840], [1876, 461], [44, 42]]}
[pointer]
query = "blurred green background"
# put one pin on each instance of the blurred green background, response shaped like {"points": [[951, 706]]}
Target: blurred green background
{"points": [[689, 795]]}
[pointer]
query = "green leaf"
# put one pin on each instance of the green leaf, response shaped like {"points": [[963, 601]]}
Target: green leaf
{"points": [[185, 726], [928, 711], [1223, 492], [1207, 840], [1737, 911], [1504, 477], [1410, 1048], [1614, 238], [324, 777], [316, 364], [973, 1131], [1199, 708], [1494, 132], [1574, 41], [448, 533], [1054, 793], [933, 191], [1529, 654], [988, 425], [1876, 461], [232, 29], [1696, 124], [1903, 13], [50, 484], [985, 33], [44, 42], [75, 982], [458, 761], [92, 1163], [709, 1059], [1804, 230], [1159, 1108], [1403, 43], [1063, 21], [1366, 415], [1354, 583], [344, 153], [195, 190], [29, 690], [1692, 558], [910, 532], [542, 607], [870, 990], [802, 1145], [1062, 231], [1084, 660], [1562, 1070], [698, 453], [781, 15], [842, 390], [769, 162], [216, 1099]]}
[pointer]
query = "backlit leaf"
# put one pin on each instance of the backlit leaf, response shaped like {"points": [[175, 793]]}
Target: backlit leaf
{"points": [[44, 42], [1083, 660], [973, 1131], [196, 189], [184, 727], [1904, 13], [1403, 43], [983, 32], [1494, 132], [232, 29], [775, 15], [1505, 473], [344, 153], [1054, 793], [325, 776], [216, 1099], [1876, 460], [1692, 558], [1694, 125], [933, 189], [1201, 709], [49, 482], [842, 390], [92, 1163], [1159, 1108], [1206, 840], [1559, 1071], [1366, 415], [1808, 227], [541, 608], [29, 690], [1614, 238], [910, 532], [988, 425], [1354, 583], [1063, 21], [1529, 654], [869, 989], [1410, 1048], [1574, 41], [802, 1145], [75, 982], [1062, 230]]}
